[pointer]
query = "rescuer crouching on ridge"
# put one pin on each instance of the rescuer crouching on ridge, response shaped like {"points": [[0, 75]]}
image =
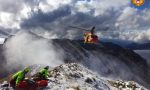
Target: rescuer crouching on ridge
{"points": [[18, 77], [43, 74]]}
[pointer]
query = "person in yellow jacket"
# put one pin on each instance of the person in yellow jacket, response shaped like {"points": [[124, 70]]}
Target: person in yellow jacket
{"points": [[18, 77]]}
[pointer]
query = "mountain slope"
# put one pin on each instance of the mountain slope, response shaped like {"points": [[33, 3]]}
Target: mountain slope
{"points": [[139, 46], [107, 59]]}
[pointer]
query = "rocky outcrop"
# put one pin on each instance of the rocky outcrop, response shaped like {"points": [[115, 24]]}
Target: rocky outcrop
{"points": [[73, 76]]}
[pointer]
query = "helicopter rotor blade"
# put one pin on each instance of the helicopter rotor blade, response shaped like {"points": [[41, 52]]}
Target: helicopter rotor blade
{"points": [[79, 28], [89, 29]]}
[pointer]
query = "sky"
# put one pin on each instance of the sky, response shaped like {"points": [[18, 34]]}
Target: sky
{"points": [[114, 19]]}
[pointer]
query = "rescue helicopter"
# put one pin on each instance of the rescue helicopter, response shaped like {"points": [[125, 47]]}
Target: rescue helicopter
{"points": [[89, 35]]}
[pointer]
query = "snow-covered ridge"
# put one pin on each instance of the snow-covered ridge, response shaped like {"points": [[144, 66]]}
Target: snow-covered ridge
{"points": [[73, 76], [76, 77]]}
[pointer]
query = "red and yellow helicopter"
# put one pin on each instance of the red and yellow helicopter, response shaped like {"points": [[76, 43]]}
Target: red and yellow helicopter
{"points": [[89, 35]]}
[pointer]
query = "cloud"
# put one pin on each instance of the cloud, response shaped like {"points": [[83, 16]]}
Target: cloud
{"points": [[27, 49], [12, 13], [10, 6], [40, 18], [54, 17], [51, 5], [57, 21], [100, 6], [141, 36], [132, 18]]}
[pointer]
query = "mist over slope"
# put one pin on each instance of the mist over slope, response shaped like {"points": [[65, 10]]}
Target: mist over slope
{"points": [[107, 59]]}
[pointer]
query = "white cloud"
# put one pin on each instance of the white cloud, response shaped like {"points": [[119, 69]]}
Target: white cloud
{"points": [[83, 6], [131, 18], [8, 20], [50, 5], [115, 14], [25, 12], [26, 49], [11, 6], [100, 6], [140, 36], [2, 40], [127, 18], [11, 13]]}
